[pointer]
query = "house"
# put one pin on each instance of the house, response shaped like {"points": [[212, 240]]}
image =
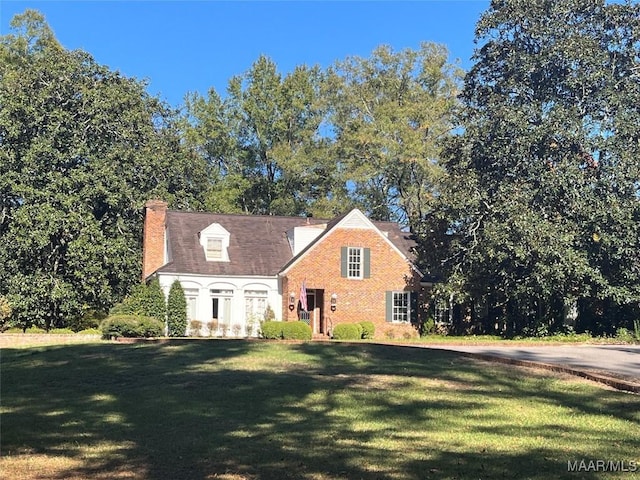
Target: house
{"points": [[235, 268]]}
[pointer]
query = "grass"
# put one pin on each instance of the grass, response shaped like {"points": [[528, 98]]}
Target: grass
{"points": [[264, 410]]}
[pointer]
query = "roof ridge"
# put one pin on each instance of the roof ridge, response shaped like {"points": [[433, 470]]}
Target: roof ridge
{"points": [[250, 215]]}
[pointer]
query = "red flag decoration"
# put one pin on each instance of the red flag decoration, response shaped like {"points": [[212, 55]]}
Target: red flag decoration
{"points": [[303, 296]]}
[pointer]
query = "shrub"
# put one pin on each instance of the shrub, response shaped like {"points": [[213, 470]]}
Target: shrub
{"points": [[35, 330], [14, 330], [346, 331], [269, 314], [91, 318], [195, 328], [286, 330], [61, 331], [144, 300], [90, 331], [368, 329], [296, 331], [428, 327], [271, 329], [131, 326], [236, 328], [176, 311]]}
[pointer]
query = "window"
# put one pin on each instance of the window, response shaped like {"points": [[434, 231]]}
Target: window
{"points": [[401, 307], [191, 296], [214, 249], [255, 302], [442, 312], [354, 263]]}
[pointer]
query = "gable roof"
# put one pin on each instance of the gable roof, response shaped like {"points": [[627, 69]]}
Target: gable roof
{"points": [[258, 244], [402, 242]]}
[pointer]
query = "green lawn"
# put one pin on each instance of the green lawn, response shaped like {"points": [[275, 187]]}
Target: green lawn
{"points": [[258, 410]]}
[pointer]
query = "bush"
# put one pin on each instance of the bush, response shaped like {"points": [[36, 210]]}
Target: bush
{"points": [[271, 329], [286, 330], [195, 328], [346, 331], [131, 326], [35, 330], [296, 331], [428, 327], [176, 311], [368, 329], [90, 319], [61, 331], [144, 300], [90, 331]]}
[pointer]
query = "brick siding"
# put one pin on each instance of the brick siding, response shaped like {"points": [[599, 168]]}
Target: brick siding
{"points": [[153, 237], [358, 299]]}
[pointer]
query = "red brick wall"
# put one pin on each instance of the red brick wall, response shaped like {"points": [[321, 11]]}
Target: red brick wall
{"points": [[153, 237], [358, 299]]}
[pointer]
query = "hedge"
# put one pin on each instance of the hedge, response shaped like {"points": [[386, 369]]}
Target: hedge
{"points": [[131, 326], [346, 331], [368, 329], [296, 331], [286, 330]]}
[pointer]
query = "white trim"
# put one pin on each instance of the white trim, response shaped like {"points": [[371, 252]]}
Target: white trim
{"points": [[360, 263]]}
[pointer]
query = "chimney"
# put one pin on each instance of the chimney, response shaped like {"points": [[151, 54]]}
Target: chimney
{"points": [[153, 243]]}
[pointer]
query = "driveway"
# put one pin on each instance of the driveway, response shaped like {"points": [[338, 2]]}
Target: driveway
{"points": [[617, 361]]}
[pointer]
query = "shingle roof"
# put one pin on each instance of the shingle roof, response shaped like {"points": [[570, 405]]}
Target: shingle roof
{"points": [[258, 245]]}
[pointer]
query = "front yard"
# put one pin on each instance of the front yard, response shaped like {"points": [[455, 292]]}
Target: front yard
{"points": [[235, 409]]}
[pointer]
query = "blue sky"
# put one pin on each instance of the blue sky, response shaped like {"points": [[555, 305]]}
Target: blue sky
{"points": [[190, 46]]}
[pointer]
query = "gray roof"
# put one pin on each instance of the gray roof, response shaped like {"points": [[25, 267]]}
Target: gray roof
{"points": [[258, 244]]}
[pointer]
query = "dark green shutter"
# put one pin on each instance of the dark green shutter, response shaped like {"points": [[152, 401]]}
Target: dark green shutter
{"points": [[389, 306], [413, 304], [366, 263], [343, 261]]}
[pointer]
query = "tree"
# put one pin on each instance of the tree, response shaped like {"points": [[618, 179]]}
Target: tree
{"points": [[264, 144], [390, 112], [82, 149], [176, 311], [542, 201]]}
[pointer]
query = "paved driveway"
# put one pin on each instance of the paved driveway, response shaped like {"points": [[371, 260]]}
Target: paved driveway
{"points": [[622, 361]]}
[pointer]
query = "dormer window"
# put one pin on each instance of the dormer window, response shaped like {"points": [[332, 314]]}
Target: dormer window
{"points": [[215, 242], [214, 249]]}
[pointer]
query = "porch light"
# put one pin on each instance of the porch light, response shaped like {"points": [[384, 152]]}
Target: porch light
{"points": [[334, 301], [292, 301]]}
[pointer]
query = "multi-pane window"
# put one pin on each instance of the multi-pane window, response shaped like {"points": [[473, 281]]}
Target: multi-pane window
{"points": [[214, 249], [401, 307], [354, 262], [255, 302], [442, 312], [191, 296]]}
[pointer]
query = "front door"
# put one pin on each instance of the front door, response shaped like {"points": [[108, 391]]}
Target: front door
{"points": [[313, 315]]}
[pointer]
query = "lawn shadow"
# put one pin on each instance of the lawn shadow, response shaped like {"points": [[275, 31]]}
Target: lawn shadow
{"points": [[200, 409]]}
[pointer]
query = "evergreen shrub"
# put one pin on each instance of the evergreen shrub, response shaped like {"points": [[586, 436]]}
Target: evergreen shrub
{"points": [[368, 330], [177, 311], [61, 331], [346, 331], [296, 331], [90, 331], [131, 326], [144, 300], [271, 330]]}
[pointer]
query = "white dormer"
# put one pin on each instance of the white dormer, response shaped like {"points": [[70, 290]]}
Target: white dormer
{"points": [[215, 241], [300, 237]]}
